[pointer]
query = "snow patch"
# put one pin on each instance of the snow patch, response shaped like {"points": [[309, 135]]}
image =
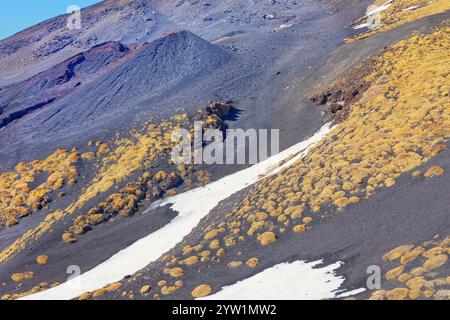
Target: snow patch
{"points": [[192, 206], [380, 9], [289, 281]]}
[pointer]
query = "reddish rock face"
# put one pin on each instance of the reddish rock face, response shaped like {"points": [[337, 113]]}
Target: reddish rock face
{"points": [[57, 82]]}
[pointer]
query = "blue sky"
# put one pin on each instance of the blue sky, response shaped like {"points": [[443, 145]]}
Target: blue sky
{"points": [[16, 15]]}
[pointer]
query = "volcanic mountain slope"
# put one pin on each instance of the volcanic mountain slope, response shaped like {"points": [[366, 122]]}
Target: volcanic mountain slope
{"points": [[372, 192], [154, 69]]}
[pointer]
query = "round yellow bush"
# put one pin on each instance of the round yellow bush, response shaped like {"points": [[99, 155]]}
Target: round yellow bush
{"points": [[145, 290], [299, 228], [252, 262], [267, 238], [176, 272], [201, 291]]}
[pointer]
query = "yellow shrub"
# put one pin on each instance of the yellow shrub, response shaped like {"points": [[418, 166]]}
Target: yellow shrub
{"points": [[201, 291], [267, 238]]}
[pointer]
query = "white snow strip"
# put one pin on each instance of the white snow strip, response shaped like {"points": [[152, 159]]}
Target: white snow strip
{"points": [[288, 281], [283, 26], [192, 206], [380, 9]]}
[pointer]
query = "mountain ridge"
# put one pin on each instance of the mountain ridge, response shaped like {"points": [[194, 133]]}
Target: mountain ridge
{"points": [[153, 68]]}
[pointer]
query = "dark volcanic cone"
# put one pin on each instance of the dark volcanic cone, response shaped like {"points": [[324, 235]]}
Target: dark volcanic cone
{"points": [[156, 68]]}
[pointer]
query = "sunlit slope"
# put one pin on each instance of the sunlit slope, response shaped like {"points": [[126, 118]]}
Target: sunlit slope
{"points": [[401, 122]]}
